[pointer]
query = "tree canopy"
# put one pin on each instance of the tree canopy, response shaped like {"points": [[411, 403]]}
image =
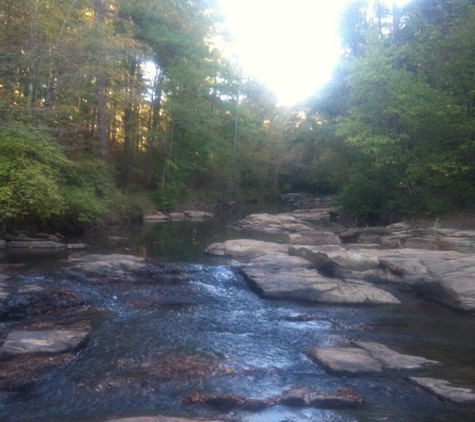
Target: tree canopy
{"points": [[121, 97], [400, 108]]}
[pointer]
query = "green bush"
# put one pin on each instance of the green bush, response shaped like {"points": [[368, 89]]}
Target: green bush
{"points": [[39, 184], [364, 197], [29, 177], [88, 191]]}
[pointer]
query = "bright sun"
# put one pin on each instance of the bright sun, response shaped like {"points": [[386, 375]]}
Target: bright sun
{"points": [[290, 46]]}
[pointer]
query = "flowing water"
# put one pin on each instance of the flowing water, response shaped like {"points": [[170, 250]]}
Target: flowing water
{"points": [[220, 338]]}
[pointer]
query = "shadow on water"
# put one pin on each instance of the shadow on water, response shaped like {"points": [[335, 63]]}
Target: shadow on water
{"points": [[153, 345]]}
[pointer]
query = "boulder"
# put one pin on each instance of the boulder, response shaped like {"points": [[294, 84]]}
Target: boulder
{"points": [[3, 244], [44, 342], [446, 391]]}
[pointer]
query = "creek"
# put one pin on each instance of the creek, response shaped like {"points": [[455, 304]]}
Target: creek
{"points": [[218, 337]]}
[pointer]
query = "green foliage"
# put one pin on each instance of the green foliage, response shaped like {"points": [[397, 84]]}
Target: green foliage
{"points": [[38, 183], [87, 189], [29, 177], [402, 104]]}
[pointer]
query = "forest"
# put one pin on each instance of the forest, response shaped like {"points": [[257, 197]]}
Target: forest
{"points": [[112, 108]]}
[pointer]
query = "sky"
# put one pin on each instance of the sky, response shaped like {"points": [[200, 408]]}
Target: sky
{"points": [[291, 46]]}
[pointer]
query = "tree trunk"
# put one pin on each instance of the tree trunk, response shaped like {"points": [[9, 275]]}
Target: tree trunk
{"points": [[101, 89], [154, 125], [129, 127]]}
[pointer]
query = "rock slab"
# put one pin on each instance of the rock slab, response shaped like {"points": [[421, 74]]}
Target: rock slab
{"points": [[299, 282], [41, 342], [445, 391], [366, 358], [344, 360]]}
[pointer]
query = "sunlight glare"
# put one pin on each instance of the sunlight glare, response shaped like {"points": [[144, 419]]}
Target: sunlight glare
{"points": [[290, 46]]}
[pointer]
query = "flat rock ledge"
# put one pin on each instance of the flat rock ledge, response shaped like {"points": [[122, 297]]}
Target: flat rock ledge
{"points": [[277, 271], [41, 245], [309, 284], [41, 342], [338, 274], [446, 391], [365, 358], [160, 217]]}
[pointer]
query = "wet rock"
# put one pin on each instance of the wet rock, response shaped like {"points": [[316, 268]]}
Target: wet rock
{"points": [[35, 244], [197, 215], [117, 268], [453, 282], [279, 259], [32, 300], [244, 248], [423, 242], [367, 358], [76, 246], [314, 238], [227, 401], [307, 284], [114, 267], [156, 217], [30, 288], [447, 277], [312, 214], [343, 398], [177, 215], [353, 235], [446, 391], [344, 360], [391, 359], [296, 397], [319, 259], [44, 342]]}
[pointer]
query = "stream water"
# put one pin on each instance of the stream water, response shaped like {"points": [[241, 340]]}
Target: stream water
{"points": [[221, 338]]}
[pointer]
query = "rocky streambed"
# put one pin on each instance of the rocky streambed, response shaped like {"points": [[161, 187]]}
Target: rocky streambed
{"points": [[329, 323]]}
